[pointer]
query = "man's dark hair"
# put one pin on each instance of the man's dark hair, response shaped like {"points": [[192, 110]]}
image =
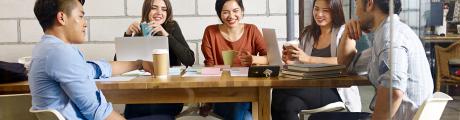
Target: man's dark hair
{"points": [[46, 10], [384, 6], [220, 5]]}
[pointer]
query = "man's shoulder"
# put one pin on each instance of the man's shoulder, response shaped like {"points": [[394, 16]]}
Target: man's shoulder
{"points": [[402, 33], [62, 49], [57, 52]]}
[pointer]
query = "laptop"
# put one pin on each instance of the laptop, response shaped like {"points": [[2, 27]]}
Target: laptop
{"points": [[273, 51], [273, 55], [135, 48]]}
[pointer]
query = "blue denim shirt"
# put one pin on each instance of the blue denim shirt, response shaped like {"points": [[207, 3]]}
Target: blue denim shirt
{"points": [[61, 79], [401, 61]]}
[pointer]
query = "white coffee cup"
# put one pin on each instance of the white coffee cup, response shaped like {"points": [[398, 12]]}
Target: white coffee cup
{"points": [[458, 29], [160, 63], [290, 45]]}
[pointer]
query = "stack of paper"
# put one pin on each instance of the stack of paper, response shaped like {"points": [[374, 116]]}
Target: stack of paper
{"points": [[312, 71]]}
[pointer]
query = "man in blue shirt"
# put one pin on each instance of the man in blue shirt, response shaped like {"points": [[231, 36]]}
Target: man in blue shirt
{"points": [[60, 78], [397, 65]]}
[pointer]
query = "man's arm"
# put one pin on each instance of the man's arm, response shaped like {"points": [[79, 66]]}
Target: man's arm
{"points": [[115, 116], [347, 46], [120, 67], [73, 75], [346, 50], [393, 74], [385, 108]]}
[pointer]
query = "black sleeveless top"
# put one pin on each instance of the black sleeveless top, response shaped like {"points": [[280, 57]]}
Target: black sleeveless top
{"points": [[324, 52]]}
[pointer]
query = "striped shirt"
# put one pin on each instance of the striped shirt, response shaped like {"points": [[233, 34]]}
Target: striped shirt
{"points": [[407, 68]]}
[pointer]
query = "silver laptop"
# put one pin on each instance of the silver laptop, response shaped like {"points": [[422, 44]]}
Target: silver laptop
{"points": [[135, 48], [273, 51]]}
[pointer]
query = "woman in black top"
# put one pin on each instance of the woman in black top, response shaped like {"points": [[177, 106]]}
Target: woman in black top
{"points": [[179, 51], [164, 25], [158, 13]]}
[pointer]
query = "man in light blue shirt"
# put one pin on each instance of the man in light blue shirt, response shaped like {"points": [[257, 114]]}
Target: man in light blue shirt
{"points": [[60, 78], [399, 64]]}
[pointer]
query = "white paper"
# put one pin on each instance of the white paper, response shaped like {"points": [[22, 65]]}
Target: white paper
{"points": [[117, 78], [136, 73], [198, 74], [175, 71], [239, 71]]}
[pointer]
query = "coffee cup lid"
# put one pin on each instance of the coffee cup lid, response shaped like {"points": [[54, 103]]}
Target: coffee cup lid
{"points": [[160, 51]]}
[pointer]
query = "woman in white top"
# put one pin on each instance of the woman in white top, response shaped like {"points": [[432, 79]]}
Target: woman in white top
{"points": [[318, 44]]}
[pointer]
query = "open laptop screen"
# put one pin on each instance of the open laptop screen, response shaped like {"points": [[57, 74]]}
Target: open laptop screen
{"points": [[273, 51], [135, 48]]}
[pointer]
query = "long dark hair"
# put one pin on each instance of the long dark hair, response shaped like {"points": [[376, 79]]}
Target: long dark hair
{"points": [[148, 6], [338, 20]]}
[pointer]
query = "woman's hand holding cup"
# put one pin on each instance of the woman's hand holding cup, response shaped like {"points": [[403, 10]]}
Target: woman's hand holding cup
{"points": [[134, 28], [246, 58], [287, 54], [157, 28]]}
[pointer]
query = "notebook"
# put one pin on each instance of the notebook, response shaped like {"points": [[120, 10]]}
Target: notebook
{"points": [[135, 48], [315, 67]]}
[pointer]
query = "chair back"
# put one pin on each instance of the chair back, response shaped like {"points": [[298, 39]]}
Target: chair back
{"points": [[331, 107], [432, 108], [443, 55], [49, 114], [15, 107]]}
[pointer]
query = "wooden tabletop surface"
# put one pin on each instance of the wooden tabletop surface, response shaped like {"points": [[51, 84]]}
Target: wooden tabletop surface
{"points": [[148, 82]]}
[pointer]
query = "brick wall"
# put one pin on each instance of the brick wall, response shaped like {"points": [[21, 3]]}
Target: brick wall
{"points": [[107, 19]]}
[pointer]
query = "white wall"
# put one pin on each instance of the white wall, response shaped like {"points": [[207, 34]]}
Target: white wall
{"points": [[107, 19]]}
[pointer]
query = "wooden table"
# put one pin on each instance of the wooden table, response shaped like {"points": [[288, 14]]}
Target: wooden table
{"points": [[176, 89], [436, 38]]}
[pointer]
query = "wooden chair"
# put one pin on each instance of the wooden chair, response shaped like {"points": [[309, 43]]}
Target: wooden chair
{"points": [[331, 107], [49, 114], [15, 107], [432, 108], [443, 55]]}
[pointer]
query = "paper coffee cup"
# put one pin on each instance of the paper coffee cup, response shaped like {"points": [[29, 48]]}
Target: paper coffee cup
{"points": [[160, 63], [228, 56]]}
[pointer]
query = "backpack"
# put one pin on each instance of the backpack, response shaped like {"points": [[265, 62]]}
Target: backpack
{"points": [[12, 72]]}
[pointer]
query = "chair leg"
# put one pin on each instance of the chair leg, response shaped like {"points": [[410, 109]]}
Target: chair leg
{"points": [[301, 116], [190, 111], [447, 89], [438, 85]]}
